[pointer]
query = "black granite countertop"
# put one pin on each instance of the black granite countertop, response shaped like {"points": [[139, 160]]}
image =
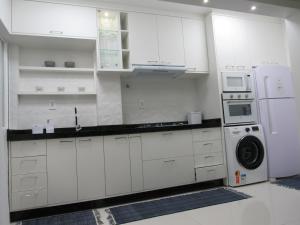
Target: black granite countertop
{"points": [[21, 135]]}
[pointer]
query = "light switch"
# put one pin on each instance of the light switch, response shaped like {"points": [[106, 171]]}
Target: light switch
{"points": [[52, 105]]}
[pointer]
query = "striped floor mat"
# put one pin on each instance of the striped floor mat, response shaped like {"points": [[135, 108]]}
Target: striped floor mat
{"points": [[149, 209], [291, 182]]}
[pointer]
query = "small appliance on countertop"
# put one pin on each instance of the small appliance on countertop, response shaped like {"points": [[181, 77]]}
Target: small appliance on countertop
{"points": [[246, 155], [194, 117]]}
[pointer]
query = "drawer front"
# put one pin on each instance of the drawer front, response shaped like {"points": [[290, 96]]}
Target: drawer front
{"points": [[211, 159], [28, 148], [27, 182], [28, 199], [207, 147], [210, 173], [162, 145], [207, 134], [28, 165], [168, 172]]}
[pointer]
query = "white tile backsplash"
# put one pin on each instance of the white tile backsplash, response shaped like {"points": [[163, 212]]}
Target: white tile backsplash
{"points": [[157, 99]]}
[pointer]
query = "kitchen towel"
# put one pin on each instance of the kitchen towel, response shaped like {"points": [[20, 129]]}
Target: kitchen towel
{"points": [[145, 210]]}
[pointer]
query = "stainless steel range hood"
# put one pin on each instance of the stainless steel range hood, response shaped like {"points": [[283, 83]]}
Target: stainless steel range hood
{"points": [[159, 70]]}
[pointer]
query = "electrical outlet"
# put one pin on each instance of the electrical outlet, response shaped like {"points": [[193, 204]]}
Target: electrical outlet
{"points": [[52, 105], [141, 104]]}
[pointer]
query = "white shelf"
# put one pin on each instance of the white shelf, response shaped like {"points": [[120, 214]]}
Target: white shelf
{"points": [[55, 69], [55, 93]]}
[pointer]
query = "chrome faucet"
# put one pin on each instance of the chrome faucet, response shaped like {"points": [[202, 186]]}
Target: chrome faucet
{"points": [[77, 126]]}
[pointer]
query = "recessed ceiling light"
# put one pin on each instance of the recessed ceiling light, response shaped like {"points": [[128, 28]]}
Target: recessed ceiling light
{"points": [[205, 1], [106, 14], [253, 8]]}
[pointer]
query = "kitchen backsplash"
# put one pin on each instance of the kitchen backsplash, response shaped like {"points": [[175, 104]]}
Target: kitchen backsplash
{"points": [[155, 98]]}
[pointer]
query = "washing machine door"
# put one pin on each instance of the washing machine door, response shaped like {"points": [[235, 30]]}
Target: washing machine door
{"points": [[250, 152]]}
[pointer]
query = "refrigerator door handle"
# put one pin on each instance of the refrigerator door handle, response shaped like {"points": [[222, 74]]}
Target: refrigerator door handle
{"points": [[266, 78], [270, 121]]}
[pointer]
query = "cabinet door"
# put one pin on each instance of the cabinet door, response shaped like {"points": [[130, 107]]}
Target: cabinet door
{"points": [[51, 19], [90, 168], [195, 45], [61, 165], [143, 38], [117, 165], [135, 143], [162, 145], [170, 172], [170, 40]]}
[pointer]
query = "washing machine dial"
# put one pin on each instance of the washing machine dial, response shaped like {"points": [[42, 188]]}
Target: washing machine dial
{"points": [[247, 129]]}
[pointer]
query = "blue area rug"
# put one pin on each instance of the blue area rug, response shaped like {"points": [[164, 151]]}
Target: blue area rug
{"points": [[77, 218], [291, 182], [145, 210]]}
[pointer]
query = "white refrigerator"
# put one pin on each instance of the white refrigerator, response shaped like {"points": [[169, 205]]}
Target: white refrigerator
{"points": [[279, 118]]}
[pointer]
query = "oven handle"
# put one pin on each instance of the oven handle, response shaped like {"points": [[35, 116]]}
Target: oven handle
{"points": [[237, 101]]}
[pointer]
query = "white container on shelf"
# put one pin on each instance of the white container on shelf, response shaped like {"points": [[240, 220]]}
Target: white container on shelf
{"points": [[194, 117]]}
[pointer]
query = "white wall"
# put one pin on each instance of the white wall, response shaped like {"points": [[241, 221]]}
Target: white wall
{"points": [[157, 98], [5, 13], [293, 42]]}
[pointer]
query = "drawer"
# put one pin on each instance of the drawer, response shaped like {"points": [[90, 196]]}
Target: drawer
{"points": [[206, 134], [211, 159], [162, 145], [207, 147], [168, 172], [27, 165], [27, 182], [210, 173], [28, 148], [28, 199]]}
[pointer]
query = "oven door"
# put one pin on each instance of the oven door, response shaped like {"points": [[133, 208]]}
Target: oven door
{"points": [[239, 111], [236, 82]]}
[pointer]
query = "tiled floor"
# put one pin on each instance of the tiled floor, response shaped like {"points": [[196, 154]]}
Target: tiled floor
{"points": [[270, 205]]}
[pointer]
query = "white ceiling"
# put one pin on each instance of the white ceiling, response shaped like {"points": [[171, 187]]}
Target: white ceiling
{"points": [[236, 5]]}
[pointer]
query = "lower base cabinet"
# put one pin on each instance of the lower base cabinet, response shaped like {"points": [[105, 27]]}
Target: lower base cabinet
{"points": [[61, 166], [170, 172], [117, 165], [210, 173], [90, 168], [28, 199]]}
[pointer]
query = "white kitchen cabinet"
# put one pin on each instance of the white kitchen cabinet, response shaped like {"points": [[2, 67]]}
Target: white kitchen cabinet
{"points": [[90, 168], [195, 48], [28, 148], [136, 163], [117, 165], [51, 19], [170, 40], [162, 145], [28, 199], [210, 173], [27, 165], [143, 41], [61, 167], [170, 172]]}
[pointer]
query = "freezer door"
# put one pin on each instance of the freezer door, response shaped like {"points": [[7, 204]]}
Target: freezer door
{"points": [[273, 82], [279, 120]]}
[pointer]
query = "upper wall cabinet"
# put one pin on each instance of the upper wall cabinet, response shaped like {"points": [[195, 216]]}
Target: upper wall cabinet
{"points": [[155, 39], [143, 38], [170, 40], [49, 19], [195, 47]]}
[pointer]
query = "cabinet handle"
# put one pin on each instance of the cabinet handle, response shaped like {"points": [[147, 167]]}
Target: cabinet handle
{"points": [[206, 144], [65, 141], [205, 131], [85, 140], [209, 156], [169, 161], [152, 61], [212, 170], [55, 32], [118, 138], [192, 69], [134, 136]]}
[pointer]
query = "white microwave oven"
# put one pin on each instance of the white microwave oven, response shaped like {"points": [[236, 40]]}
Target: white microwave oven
{"points": [[239, 108], [237, 82]]}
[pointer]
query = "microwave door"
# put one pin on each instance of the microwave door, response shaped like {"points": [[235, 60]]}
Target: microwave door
{"points": [[235, 83], [239, 112]]}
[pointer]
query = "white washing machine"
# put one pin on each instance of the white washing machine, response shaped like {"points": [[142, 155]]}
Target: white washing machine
{"points": [[246, 155]]}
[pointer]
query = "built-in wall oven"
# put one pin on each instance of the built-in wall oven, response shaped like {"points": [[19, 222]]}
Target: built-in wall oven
{"points": [[237, 82], [239, 108]]}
